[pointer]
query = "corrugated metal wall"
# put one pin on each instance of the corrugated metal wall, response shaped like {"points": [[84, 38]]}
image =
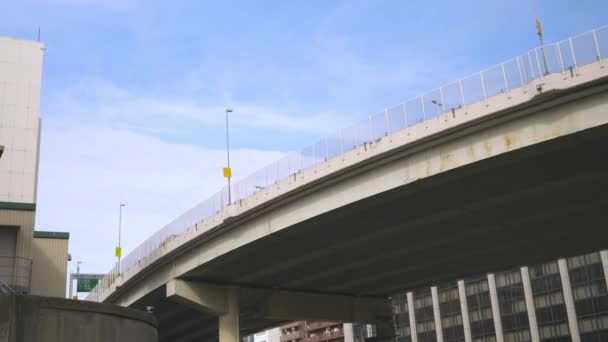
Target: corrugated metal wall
{"points": [[25, 221], [50, 267]]}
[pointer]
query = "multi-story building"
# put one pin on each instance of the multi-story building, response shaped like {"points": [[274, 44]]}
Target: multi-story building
{"points": [[313, 331], [30, 262], [558, 301], [272, 335]]}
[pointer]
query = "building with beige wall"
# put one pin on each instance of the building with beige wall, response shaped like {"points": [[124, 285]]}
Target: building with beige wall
{"points": [[30, 262]]}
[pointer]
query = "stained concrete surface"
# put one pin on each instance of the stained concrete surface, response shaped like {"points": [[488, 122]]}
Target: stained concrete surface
{"points": [[44, 319]]}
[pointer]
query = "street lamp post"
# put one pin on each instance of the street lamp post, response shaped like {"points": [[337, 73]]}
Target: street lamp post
{"points": [[227, 169], [539, 31], [119, 247]]}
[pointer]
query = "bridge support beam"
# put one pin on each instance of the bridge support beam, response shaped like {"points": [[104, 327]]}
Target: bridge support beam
{"points": [[294, 305], [222, 301], [210, 299], [280, 305]]}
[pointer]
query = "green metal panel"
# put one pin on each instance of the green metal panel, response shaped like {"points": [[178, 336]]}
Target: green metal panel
{"points": [[86, 284], [18, 206], [51, 235]]}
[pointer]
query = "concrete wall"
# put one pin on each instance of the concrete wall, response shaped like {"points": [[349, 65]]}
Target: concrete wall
{"points": [[20, 82], [35, 319], [49, 273]]}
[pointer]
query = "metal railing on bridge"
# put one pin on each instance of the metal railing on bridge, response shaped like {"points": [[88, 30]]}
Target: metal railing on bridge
{"points": [[561, 57]]}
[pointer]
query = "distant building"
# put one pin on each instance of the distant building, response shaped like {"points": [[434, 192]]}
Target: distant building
{"points": [[272, 335], [560, 301], [310, 331], [30, 262]]}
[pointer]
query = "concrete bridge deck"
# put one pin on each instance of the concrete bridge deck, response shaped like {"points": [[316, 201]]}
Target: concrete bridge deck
{"points": [[495, 184]]}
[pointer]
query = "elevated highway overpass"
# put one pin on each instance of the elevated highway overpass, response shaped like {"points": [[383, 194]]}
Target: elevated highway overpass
{"points": [[517, 177]]}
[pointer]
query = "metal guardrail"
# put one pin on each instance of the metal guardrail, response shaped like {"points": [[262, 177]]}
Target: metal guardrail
{"points": [[15, 275], [561, 57]]}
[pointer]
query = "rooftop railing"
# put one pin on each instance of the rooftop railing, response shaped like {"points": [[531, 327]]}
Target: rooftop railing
{"points": [[561, 57], [15, 275]]}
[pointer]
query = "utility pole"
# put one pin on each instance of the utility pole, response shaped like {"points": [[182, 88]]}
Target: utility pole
{"points": [[228, 170], [119, 247], [539, 30]]}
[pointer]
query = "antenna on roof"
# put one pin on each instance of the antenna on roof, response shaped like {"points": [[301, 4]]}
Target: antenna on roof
{"points": [[38, 33]]}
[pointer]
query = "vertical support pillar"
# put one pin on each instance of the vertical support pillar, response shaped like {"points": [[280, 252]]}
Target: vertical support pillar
{"points": [[531, 67], [495, 307], [229, 322], [568, 300], [326, 148], [412, 314], [540, 72], [442, 100], [561, 59], [436, 314], [525, 279], [461, 92], [597, 46], [483, 86], [504, 76], [423, 111], [521, 74], [349, 332], [466, 324], [572, 51], [604, 257], [388, 124]]}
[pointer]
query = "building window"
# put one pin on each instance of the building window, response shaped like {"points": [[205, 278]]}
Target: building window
{"points": [[512, 306], [425, 318], [480, 309], [549, 304], [590, 296], [450, 312]]}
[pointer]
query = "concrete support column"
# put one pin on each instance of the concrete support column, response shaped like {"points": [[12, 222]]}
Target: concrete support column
{"points": [[495, 307], [464, 308], [604, 256], [525, 279], [436, 314], [412, 314], [568, 300], [229, 321]]}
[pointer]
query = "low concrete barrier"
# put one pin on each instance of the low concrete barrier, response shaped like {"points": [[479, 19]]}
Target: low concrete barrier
{"points": [[44, 319]]}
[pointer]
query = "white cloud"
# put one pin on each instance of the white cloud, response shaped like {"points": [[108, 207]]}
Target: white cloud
{"points": [[94, 99], [86, 171], [120, 5]]}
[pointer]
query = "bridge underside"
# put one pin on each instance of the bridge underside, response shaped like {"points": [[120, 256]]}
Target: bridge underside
{"points": [[534, 204], [531, 205]]}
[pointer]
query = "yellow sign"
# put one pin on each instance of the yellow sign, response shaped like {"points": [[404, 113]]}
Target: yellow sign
{"points": [[118, 252], [539, 27], [227, 172], [75, 297]]}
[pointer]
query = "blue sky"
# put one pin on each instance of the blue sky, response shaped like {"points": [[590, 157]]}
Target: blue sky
{"points": [[134, 91]]}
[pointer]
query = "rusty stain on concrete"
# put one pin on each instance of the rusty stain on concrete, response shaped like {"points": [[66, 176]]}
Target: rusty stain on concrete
{"points": [[446, 161], [487, 146]]}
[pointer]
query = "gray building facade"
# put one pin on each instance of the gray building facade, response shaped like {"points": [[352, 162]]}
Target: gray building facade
{"points": [[565, 300]]}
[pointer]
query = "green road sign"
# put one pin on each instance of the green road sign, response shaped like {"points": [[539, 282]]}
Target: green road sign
{"points": [[86, 284]]}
